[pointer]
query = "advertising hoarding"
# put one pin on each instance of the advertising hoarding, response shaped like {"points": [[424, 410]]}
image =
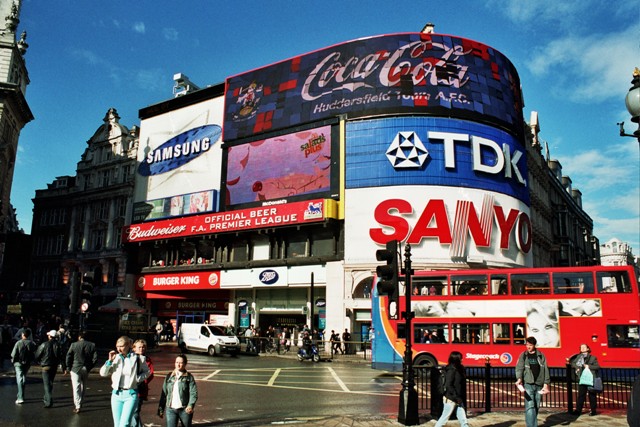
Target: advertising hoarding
{"points": [[289, 167], [442, 224], [179, 162], [399, 73], [239, 220], [435, 151], [197, 280]]}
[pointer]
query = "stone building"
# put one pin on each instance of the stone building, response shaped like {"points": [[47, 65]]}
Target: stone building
{"points": [[14, 110], [78, 221]]}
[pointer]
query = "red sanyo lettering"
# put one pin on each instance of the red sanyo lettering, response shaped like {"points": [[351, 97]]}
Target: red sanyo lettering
{"points": [[434, 223]]}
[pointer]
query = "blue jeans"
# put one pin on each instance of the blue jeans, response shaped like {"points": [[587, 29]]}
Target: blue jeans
{"points": [[123, 404], [173, 415], [532, 399], [21, 377], [48, 375], [447, 410]]}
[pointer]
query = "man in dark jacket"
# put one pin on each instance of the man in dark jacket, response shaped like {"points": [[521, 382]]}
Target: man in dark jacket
{"points": [[81, 357], [22, 357], [49, 355]]}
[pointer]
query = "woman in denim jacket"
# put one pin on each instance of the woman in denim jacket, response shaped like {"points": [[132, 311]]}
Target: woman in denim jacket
{"points": [[179, 395]]}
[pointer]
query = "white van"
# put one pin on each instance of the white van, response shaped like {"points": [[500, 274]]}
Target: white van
{"points": [[207, 338]]}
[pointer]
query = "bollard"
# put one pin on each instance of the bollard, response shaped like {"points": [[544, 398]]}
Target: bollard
{"points": [[487, 385], [569, 386]]}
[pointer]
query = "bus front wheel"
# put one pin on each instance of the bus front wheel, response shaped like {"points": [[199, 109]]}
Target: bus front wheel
{"points": [[425, 360]]}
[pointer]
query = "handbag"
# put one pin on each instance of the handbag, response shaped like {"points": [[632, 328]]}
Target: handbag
{"points": [[597, 385], [586, 378]]}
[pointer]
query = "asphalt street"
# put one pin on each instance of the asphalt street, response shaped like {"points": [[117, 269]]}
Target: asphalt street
{"points": [[251, 392]]}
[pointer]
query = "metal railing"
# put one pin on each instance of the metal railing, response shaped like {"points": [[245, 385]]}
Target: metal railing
{"points": [[350, 350], [490, 388]]}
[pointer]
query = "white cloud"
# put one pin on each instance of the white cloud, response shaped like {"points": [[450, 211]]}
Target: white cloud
{"points": [[138, 27], [170, 34], [588, 68], [152, 80], [87, 56]]}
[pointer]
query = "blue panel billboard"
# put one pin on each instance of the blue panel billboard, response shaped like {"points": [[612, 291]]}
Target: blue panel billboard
{"points": [[422, 150], [401, 73]]}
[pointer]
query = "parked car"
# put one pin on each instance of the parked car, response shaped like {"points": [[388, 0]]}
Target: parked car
{"points": [[209, 339]]}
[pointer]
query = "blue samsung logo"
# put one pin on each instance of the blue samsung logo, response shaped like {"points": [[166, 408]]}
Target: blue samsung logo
{"points": [[269, 277], [179, 150]]}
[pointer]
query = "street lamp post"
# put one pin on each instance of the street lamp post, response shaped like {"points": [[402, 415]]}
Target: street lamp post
{"points": [[632, 102]]}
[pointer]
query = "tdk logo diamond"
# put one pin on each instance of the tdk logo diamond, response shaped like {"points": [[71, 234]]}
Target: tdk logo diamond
{"points": [[407, 151]]}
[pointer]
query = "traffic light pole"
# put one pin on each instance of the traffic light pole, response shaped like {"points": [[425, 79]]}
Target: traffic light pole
{"points": [[408, 404]]}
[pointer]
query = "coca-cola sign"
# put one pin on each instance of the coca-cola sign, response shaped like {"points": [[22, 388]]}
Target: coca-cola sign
{"points": [[412, 72]]}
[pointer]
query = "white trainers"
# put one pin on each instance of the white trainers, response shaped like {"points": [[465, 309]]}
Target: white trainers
{"points": [[19, 402]]}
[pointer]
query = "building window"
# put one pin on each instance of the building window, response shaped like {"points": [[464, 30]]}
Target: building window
{"points": [[106, 177], [239, 251], [297, 245], [323, 243], [97, 239]]}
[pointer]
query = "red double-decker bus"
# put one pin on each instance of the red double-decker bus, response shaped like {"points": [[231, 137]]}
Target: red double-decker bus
{"points": [[487, 314]]}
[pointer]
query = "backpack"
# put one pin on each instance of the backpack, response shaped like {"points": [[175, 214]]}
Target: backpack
{"points": [[442, 381], [25, 354]]}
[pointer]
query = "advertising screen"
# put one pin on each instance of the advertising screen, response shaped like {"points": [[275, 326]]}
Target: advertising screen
{"points": [[294, 166], [412, 72], [179, 162], [435, 151]]}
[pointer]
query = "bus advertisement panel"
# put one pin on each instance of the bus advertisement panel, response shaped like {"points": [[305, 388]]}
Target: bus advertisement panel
{"points": [[486, 315]]}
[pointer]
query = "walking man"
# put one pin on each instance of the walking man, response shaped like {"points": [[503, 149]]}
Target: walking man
{"points": [[22, 356], [81, 357], [49, 355], [532, 373]]}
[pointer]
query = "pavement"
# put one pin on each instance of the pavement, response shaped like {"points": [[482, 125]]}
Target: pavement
{"points": [[494, 419]]}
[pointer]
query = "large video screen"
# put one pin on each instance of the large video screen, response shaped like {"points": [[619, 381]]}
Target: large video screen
{"points": [[280, 169], [433, 74]]}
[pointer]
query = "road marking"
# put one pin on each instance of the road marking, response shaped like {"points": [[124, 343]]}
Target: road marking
{"points": [[338, 380], [212, 374], [272, 380]]}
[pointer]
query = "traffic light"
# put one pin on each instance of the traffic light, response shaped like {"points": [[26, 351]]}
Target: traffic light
{"points": [[388, 276], [86, 291]]}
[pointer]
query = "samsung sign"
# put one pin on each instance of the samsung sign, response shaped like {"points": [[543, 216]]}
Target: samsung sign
{"points": [[435, 151], [179, 150]]}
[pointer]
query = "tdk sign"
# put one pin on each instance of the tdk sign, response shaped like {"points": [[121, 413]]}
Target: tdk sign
{"points": [[179, 150], [269, 277], [407, 151]]}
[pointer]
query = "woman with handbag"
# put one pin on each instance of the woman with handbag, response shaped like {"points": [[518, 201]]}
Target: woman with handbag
{"points": [[585, 364]]}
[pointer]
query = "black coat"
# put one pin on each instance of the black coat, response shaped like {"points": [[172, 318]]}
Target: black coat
{"points": [[456, 385]]}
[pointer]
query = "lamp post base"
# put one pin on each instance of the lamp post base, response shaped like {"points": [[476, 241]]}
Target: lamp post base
{"points": [[408, 406]]}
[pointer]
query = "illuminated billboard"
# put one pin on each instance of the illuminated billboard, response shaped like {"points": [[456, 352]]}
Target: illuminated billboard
{"points": [[435, 151], [179, 162], [401, 73], [290, 167]]}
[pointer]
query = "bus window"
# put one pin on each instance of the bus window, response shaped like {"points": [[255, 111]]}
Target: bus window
{"points": [[530, 284], [499, 285], [431, 286], [471, 333], [469, 285], [623, 336], [518, 333], [431, 333], [613, 281], [501, 333], [573, 283]]}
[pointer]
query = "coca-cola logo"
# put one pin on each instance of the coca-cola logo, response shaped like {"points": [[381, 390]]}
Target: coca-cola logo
{"points": [[425, 62]]}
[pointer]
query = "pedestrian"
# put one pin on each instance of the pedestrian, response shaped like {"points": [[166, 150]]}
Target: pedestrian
{"points": [[22, 356], [81, 358], [346, 342], [178, 403], [49, 355], [140, 348], [455, 391], [159, 328], [585, 361], [335, 342], [127, 369], [532, 378]]}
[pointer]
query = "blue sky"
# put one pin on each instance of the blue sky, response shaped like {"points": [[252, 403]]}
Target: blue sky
{"points": [[575, 60]]}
